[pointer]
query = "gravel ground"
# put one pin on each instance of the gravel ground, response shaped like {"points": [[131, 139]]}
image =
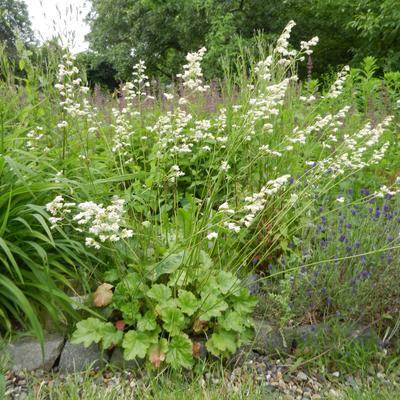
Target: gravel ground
{"points": [[271, 376]]}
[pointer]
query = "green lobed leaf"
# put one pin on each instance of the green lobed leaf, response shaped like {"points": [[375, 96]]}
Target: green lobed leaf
{"points": [[130, 312], [170, 263], [130, 288], [233, 321], [147, 322], [174, 320], [179, 278], [246, 336], [226, 281], [222, 342], [212, 306], [136, 344], [243, 301], [93, 330], [179, 353], [187, 302], [160, 293], [111, 336], [205, 260]]}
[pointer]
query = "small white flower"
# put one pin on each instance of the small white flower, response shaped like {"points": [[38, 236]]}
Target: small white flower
{"points": [[212, 235], [90, 242], [232, 226], [225, 166], [126, 233], [168, 96], [340, 199], [62, 124]]}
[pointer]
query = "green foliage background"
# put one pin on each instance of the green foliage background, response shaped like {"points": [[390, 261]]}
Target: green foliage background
{"points": [[163, 32]]}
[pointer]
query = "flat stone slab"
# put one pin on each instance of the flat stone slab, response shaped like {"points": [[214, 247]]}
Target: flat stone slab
{"points": [[117, 360], [76, 358], [26, 353]]}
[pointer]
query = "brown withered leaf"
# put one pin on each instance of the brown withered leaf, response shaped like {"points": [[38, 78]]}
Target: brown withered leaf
{"points": [[200, 326], [102, 297], [157, 354], [196, 349], [120, 325]]}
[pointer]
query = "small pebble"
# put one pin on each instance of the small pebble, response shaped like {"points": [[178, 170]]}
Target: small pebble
{"points": [[301, 376]]}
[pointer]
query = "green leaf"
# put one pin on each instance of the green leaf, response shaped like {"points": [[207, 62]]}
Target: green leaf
{"points": [[130, 288], [179, 353], [205, 260], [170, 263], [111, 336], [136, 344], [222, 342], [212, 306], [147, 322], [130, 312], [232, 321], [174, 320], [93, 330], [246, 336], [226, 281], [243, 302], [160, 293], [187, 302], [179, 278], [210, 286]]}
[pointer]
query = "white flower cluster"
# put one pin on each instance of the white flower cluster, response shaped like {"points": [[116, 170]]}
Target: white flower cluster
{"points": [[137, 87], [174, 173], [224, 208], [73, 92], [225, 167], [256, 202], [252, 204], [355, 151], [330, 123], [33, 137], [264, 106], [282, 45], [266, 149], [263, 69], [337, 87], [178, 133], [102, 223], [307, 46], [135, 90], [385, 191], [170, 133], [121, 140], [193, 76]]}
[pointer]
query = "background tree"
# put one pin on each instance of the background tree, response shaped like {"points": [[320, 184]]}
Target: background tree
{"points": [[14, 24], [161, 32], [377, 22]]}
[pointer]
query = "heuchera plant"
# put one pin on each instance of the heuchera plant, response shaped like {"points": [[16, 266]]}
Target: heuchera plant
{"points": [[166, 311], [160, 311]]}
